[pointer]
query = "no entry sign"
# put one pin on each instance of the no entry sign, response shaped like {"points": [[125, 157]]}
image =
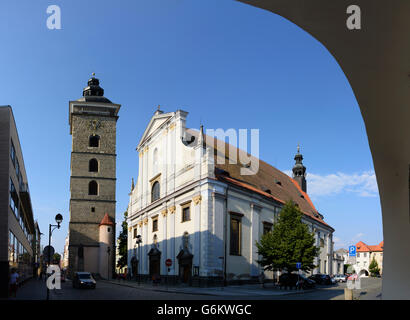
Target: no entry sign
{"points": [[168, 262]]}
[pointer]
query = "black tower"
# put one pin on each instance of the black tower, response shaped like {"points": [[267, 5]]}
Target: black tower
{"points": [[299, 171]]}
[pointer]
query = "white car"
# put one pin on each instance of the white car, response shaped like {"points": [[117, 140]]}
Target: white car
{"points": [[340, 278]]}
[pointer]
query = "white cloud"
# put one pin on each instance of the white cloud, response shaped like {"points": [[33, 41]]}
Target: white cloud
{"points": [[363, 184]]}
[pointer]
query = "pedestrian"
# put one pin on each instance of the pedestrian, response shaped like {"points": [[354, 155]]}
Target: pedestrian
{"points": [[14, 276], [262, 279]]}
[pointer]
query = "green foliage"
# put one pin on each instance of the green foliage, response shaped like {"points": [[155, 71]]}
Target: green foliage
{"points": [[123, 243], [374, 268], [56, 258], [289, 242]]}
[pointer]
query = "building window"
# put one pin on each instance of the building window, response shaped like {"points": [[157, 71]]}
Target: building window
{"points": [[267, 227], [93, 188], [93, 165], [94, 141], [92, 209], [135, 233], [155, 191], [14, 200], [108, 229], [13, 154], [186, 213], [154, 224], [235, 236]]}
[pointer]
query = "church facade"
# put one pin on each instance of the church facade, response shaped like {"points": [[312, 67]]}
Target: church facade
{"points": [[204, 215], [92, 120]]}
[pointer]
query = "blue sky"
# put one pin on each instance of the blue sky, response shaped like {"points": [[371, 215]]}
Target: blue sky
{"points": [[228, 64]]}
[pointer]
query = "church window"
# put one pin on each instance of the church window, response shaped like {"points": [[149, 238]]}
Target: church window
{"points": [[155, 191], [235, 235], [94, 141], [154, 224], [186, 214], [93, 165], [93, 188]]}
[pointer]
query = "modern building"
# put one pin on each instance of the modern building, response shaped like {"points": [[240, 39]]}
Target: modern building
{"points": [[93, 121], [364, 256], [203, 213], [17, 228]]}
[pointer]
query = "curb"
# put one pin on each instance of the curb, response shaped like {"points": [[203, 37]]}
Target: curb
{"points": [[200, 293]]}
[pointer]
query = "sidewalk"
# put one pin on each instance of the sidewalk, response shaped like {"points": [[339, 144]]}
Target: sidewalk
{"points": [[238, 290], [32, 289]]}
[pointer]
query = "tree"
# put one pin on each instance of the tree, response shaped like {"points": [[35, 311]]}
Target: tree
{"points": [[123, 243], [374, 268], [289, 242], [56, 258]]}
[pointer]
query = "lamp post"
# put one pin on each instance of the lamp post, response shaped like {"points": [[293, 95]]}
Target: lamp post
{"points": [[59, 219], [108, 262], [138, 242]]}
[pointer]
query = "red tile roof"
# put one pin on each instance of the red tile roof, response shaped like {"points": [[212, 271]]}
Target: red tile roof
{"points": [[268, 181], [106, 221], [362, 247]]}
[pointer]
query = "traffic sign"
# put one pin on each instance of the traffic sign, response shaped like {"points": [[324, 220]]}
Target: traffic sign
{"points": [[352, 251], [48, 252], [298, 265], [168, 262]]}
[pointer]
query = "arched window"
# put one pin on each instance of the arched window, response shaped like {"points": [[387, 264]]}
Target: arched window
{"points": [[93, 188], [93, 165], [155, 191], [94, 141]]}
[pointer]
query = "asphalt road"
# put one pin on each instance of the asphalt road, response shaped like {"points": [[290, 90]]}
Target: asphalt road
{"points": [[35, 290]]}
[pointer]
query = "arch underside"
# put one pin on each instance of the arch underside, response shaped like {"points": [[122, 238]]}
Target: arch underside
{"points": [[376, 63]]}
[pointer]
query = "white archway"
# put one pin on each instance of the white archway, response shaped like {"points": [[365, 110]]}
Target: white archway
{"points": [[375, 61]]}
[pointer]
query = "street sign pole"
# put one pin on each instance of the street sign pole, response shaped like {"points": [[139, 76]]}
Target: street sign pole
{"points": [[168, 263]]}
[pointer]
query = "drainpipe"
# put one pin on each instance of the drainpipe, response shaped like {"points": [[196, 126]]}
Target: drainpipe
{"points": [[225, 232]]}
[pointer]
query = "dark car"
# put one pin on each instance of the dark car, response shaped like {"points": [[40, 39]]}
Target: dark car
{"points": [[293, 280], [83, 280], [321, 278]]}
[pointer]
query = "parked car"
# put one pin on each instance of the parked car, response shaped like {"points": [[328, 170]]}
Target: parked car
{"points": [[84, 280], [321, 278], [293, 280], [340, 278]]}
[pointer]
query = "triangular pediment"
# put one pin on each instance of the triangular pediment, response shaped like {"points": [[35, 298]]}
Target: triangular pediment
{"points": [[156, 122]]}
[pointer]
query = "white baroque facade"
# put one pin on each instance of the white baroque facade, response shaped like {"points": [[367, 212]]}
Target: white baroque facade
{"points": [[203, 215]]}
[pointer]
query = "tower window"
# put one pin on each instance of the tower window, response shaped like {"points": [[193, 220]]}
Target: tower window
{"points": [[108, 229], [93, 188], [155, 191], [93, 165], [94, 141]]}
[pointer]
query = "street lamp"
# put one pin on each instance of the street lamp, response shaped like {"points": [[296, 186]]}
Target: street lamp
{"points": [[138, 242], [108, 264], [59, 219]]}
